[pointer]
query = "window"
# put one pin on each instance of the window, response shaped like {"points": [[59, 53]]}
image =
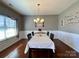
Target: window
{"points": [[2, 28], [7, 27], [10, 27]]}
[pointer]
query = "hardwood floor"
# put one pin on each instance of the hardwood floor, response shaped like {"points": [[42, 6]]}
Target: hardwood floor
{"points": [[64, 51], [17, 51]]}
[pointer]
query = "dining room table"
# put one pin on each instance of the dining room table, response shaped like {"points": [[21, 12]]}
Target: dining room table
{"points": [[40, 41]]}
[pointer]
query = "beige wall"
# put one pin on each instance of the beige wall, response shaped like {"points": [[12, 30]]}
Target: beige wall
{"points": [[71, 12], [51, 22], [4, 10]]}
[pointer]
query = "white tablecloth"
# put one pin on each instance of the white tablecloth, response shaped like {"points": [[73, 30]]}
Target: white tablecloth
{"points": [[41, 41]]}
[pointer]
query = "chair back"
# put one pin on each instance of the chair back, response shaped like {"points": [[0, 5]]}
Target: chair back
{"points": [[29, 36], [47, 33], [51, 36], [32, 33]]}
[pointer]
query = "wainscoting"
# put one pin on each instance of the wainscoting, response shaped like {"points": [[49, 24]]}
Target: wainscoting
{"points": [[66, 37]]}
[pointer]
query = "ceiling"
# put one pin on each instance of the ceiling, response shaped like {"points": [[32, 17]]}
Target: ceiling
{"points": [[47, 7]]}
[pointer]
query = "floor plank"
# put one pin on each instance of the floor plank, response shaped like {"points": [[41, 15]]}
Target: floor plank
{"points": [[64, 51], [17, 51]]}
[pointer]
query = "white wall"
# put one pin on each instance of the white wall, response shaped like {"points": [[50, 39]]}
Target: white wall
{"points": [[70, 39], [23, 34]]}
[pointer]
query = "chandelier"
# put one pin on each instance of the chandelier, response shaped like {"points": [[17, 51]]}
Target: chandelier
{"points": [[39, 22]]}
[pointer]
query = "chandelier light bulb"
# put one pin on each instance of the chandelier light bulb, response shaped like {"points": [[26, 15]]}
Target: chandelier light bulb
{"points": [[34, 20], [38, 19], [42, 20]]}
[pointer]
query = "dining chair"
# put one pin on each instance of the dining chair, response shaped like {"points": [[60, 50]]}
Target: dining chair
{"points": [[32, 33], [47, 33], [51, 36], [29, 36]]}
